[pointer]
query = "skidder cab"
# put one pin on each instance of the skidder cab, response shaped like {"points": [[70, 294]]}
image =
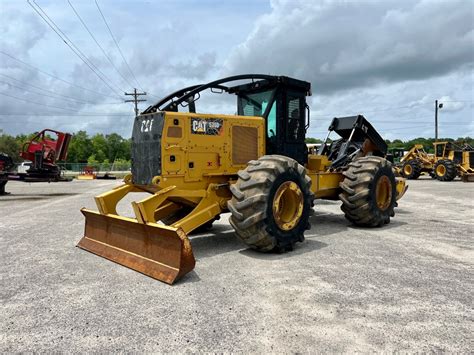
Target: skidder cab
{"points": [[191, 167]]}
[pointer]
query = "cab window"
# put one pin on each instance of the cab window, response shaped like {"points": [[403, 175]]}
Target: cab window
{"points": [[256, 105], [271, 119], [439, 150], [295, 119]]}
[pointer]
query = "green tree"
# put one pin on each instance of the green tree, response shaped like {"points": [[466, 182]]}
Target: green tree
{"points": [[106, 165], [121, 164], [92, 161], [118, 147], [10, 146], [313, 140], [80, 148], [100, 147]]}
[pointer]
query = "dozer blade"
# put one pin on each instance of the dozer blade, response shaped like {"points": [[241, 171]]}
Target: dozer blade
{"points": [[161, 252]]}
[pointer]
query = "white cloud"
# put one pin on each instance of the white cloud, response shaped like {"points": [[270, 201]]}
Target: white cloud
{"points": [[450, 104], [341, 45]]}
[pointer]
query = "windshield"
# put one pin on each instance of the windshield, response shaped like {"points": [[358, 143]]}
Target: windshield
{"points": [[256, 105]]}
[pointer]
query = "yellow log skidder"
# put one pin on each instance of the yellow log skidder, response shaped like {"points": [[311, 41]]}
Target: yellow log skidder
{"points": [[192, 167], [448, 161]]}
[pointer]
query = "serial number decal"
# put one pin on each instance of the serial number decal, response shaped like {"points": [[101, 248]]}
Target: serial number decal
{"points": [[209, 126], [147, 125]]}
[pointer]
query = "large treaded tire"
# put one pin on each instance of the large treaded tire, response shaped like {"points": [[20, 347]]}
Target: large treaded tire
{"points": [[252, 201], [449, 169], [359, 197], [415, 167], [3, 183]]}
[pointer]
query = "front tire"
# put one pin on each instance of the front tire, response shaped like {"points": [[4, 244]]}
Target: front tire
{"points": [[445, 170], [411, 169], [271, 203], [369, 192], [2, 187]]}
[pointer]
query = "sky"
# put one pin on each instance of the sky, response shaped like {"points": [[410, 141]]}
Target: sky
{"points": [[388, 60]]}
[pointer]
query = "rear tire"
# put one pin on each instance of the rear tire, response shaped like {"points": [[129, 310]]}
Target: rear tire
{"points": [[271, 203], [445, 170], [369, 192], [411, 169], [2, 187]]}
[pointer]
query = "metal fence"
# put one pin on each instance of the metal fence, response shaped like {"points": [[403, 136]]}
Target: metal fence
{"points": [[101, 167]]}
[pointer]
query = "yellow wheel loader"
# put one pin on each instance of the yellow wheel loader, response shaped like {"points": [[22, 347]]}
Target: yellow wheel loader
{"points": [[192, 167]]}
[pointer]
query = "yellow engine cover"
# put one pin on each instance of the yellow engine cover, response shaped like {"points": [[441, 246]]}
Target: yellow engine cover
{"points": [[195, 148]]}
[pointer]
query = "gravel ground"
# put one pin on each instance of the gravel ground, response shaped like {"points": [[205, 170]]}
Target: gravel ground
{"points": [[404, 287]]}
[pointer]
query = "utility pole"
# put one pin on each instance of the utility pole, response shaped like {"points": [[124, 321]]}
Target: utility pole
{"points": [[437, 106], [135, 95]]}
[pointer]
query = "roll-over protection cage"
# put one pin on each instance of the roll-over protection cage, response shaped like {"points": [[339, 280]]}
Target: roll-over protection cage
{"points": [[280, 100]]}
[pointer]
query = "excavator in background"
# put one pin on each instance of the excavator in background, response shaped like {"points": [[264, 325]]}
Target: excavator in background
{"points": [[41, 154], [192, 167]]}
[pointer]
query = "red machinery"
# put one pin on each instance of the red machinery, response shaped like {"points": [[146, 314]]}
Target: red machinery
{"points": [[43, 151]]}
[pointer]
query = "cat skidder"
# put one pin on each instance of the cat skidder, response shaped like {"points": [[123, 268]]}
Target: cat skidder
{"points": [[448, 161], [192, 167]]}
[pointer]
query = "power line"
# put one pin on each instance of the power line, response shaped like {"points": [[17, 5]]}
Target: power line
{"points": [[37, 87], [363, 112], [72, 46], [96, 42], [22, 120], [390, 129], [378, 120], [68, 115], [55, 77], [37, 103], [57, 96], [117, 45], [407, 127], [37, 93], [381, 120], [121, 53], [427, 125], [456, 101]]}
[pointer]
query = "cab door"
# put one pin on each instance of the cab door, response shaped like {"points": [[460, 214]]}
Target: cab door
{"points": [[294, 126]]}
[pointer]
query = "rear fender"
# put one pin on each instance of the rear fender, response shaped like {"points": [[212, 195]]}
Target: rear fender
{"points": [[401, 187]]}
